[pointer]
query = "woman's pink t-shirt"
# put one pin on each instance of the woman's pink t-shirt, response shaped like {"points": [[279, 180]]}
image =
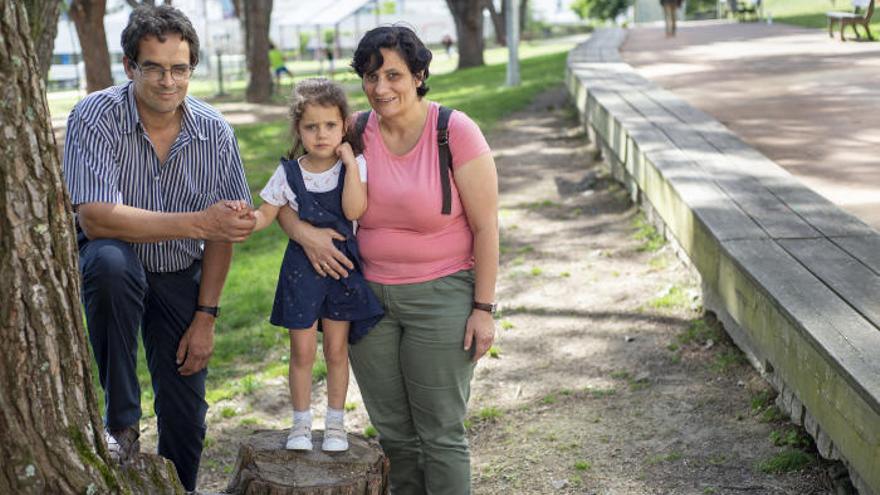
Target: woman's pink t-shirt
{"points": [[403, 237]]}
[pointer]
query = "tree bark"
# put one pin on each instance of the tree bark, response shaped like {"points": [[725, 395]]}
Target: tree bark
{"points": [[264, 467], [468, 16], [43, 21], [49, 422], [257, 15], [88, 16]]}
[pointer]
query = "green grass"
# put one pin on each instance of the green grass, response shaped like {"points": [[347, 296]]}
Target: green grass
{"points": [[247, 349], [785, 462], [810, 13], [675, 297]]}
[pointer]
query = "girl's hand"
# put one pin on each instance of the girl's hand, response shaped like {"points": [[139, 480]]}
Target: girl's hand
{"points": [[345, 153]]}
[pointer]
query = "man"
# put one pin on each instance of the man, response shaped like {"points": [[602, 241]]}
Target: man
{"points": [[148, 169]]}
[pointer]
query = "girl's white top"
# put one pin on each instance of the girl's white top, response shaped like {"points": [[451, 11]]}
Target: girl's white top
{"points": [[277, 191]]}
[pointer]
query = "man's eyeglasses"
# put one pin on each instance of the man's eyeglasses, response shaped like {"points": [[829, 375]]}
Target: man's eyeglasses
{"points": [[156, 73]]}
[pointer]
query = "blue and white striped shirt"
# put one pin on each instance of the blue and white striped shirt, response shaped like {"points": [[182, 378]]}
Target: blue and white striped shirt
{"points": [[108, 158]]}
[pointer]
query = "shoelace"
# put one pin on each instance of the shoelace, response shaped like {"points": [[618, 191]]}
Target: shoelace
{"points": [[335, 430], [300, 430]]}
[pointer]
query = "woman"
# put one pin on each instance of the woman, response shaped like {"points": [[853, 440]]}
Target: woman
{"points": [[669, 13], [434, 273]]}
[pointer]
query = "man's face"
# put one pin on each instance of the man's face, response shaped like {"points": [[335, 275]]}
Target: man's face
{"points": [[161, 73]]}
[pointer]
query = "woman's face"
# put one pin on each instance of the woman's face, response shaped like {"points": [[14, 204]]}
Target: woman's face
{"points": [[391, 89]]}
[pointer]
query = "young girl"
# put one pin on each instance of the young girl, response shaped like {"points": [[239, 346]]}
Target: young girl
{"points": [[326, 185]]}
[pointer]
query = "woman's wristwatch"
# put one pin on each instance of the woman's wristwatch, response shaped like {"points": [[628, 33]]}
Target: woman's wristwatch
{"points": [[487, 307]]}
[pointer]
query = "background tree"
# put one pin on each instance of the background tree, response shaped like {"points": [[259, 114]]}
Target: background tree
{"points": [[88, 17], [43, 20], [257, 14], [468, 16], [49, 422], [599, 9], [499, 19]]}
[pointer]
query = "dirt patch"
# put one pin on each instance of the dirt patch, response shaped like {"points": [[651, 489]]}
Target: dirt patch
{"points": [[607, 379]]}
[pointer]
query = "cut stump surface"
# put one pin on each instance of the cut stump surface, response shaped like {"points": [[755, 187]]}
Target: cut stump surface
{"points": [[265, 467]]}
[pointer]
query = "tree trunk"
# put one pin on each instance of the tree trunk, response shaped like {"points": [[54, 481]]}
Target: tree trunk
{"points": [[265, 467], [498, 22], [468, 15], [43, 20], [88, 16], [257, 14], [523, 15], [49, 422]]}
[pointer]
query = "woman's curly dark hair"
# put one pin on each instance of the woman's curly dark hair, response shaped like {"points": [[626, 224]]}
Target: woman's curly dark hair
{"points": [[403, 40]]}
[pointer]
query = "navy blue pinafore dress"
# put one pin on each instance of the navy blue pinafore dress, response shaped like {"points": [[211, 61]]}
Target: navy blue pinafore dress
{"points": [[302, 295]]}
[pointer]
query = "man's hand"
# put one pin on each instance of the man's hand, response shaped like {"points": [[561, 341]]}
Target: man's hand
{"points": [[479, 332], [227, 221], [196, 345]]}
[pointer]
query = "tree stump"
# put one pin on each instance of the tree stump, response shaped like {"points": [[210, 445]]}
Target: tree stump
{"points": [[265, 467]]}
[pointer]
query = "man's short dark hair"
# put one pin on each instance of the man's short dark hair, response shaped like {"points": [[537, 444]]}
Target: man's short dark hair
{"points": [[158, 21], [403, 40]]}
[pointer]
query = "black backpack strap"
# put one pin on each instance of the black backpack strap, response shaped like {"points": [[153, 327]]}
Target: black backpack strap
{"points": [[361, 123], [445, 158]]}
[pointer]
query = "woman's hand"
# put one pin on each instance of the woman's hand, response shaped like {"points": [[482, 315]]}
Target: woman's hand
{"points": [[317, 244], [479, 332]]}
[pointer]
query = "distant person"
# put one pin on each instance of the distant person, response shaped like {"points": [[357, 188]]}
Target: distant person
{"points": [[670, 9], [276, 61], [149, 170], [324, 179], [447, 44]]}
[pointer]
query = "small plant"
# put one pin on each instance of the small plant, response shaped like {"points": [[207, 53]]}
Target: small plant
{"points": [[565, 274], [785, 462], [549, 399], [674, 297], [582, 465], [519, 260], [525, 250], [761, 400], [467, 424], [727, 360], [772, 415], [651, 240], [489, 413], [602, 392], [350, 406], [507, 325], [494, 352], [620, 375], [249, 384], [536, 271], [228, 412], [249, 422], [370, 431]]}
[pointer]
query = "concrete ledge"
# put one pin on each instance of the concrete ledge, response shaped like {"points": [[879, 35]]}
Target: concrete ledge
{"points": [[795, 280]]}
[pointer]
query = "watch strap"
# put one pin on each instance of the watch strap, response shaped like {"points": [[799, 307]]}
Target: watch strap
{"points": [[487, 307], [211, 310]]}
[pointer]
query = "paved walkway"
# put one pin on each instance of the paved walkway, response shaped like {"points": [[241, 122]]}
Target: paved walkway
{"points": [[807, 102]]}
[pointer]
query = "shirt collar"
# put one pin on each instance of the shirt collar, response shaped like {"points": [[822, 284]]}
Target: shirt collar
{"points": [[130, 121]]}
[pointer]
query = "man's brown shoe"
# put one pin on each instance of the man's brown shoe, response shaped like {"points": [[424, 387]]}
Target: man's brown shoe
{"points": [[123, 444]]}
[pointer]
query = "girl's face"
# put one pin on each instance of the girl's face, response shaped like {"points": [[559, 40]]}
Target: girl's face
{"points": [[391, 89], [321, 130]]}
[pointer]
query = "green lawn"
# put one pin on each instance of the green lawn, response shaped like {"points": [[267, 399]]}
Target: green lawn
{"points": [[248, 350], [810, 13]]}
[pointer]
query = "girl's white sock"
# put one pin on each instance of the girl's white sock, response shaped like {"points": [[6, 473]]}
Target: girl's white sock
{"points": [[300, 417], [335, 415]]}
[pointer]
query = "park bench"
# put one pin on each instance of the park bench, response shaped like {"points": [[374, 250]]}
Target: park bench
{"points": [[861, 14], [744, 8]]}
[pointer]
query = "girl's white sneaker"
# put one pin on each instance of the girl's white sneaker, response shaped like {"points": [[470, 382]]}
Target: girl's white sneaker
{"points": [[335, 438], [300, 437]]}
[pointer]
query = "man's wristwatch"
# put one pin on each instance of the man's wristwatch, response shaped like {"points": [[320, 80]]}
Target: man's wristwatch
{"points": [[211, 310], [487, 307]]}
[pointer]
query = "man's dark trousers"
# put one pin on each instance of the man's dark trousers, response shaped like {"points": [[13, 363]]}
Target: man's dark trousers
{"points": [[119, 297]]}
